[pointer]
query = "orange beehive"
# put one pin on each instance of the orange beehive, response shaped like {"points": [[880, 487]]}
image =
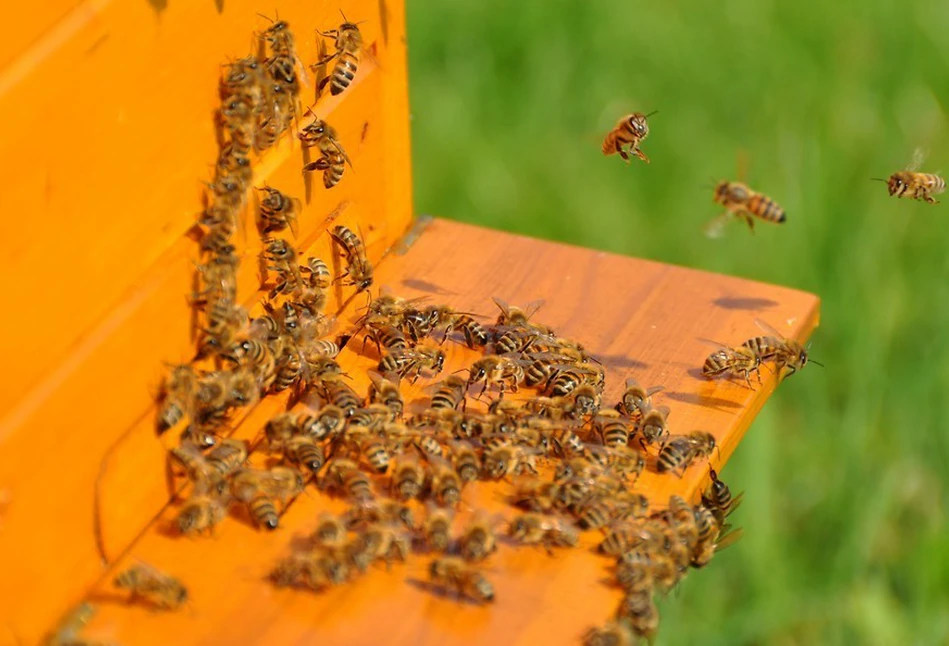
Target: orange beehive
{"points": [[110, 135]]}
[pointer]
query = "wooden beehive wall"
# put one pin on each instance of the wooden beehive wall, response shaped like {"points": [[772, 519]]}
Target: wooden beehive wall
{"points": [[109, 137]]}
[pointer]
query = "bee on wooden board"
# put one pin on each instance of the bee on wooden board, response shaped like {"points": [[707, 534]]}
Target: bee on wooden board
{"points": [[464, 579], [148, 584], [627, 135], [348, 43], [786, 353], [732, 362], [358, 270], [913, 184], [636, 400]]}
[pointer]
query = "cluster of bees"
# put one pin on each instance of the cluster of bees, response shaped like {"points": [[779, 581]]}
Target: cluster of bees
{"points": [[746, 205], [570, 461]]}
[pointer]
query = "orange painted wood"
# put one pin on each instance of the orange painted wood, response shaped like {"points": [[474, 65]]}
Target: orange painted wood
{"points": [[111, 260], [113, 109], [640, 318]]}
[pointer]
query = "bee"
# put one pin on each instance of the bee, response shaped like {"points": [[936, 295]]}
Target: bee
{"points": [[277, 211], [478, 540], [636, 400], [344, 476], [330, 531], [586, 401], [537, 529], [290, 370], [640, 610], [514, 340], [408, 477], [473, 331], [445, 484], [232, 160], [228, 456], [514, 316], [333, 159], [450, 393], [380, 511], [614, 633], [679, 451], [535, 495], [913, 184], [200, 513], [739, 362], [436, 529], [786, 353], [176, 395], [594, 514], [706, 550], [376, 454], [385, 390], [320, 277], [200, 472], [718, 498], [259, 489], [304, 451], [504, 372], [383, 541], [501, 461], [465, 461], [224, 322], [654, 425], [342, 395], [149, 584], [386, 336], [244, 80], [259, 357], [464, 579], [316, 570], [554, 408], [348, 46], [358, 268], [612, 428], [630, 131], [745, 204], [219, 276]]}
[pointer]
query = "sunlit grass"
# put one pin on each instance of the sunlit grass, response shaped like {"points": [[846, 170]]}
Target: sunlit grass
{"points": [[846, 536]]}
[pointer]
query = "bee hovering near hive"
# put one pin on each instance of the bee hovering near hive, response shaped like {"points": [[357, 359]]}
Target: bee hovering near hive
{"points": [[742, 202], [626, 137], [913, 184]]}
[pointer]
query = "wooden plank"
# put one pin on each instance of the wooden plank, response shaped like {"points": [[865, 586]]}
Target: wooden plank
{"points": [[640, 318], [146, 93]]}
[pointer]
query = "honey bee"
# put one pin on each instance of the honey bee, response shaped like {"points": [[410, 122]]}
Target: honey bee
{"points": [[505, 372], [501, 461], [304, 451], [244, 80], [515, 316], [640, 610], [358, 268], [913, 184], [277, 211], [333, 159], [679, 451], [464, 579], [594, 514], [380, 511], [258, 489], [786, 353], [348, 46], [330, 531], [316, 570], [342, 396], [232, 160], [465, 461], [320, 277], [537, 529], [149, 584], [259, 357], [376, 454], [225, 321], [385, 390], [408, 477], [739, 362], [745, 204], [586, 401], [614, 633], [718, 498], [534, 495], [387, 337], [344, 477], [478, 540], [474, 333], [450, 393], [636, 400], [445, 484], [436, 529], [612, 428], [627, 135], [200, 513], [176, 395], [654, 425]]}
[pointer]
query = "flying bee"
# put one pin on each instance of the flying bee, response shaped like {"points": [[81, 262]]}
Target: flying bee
{"points": [[464, 579], [465, 461], [478, 540], [654, 425], [739, 362], [505, 372], [277, 211], [913, 184], [537, 529], [149, 584], [358, 270], [386, 390], [450, 393], [445, 484], [679, 451], [786, 353], [436, 528], [515, 316], [407, 478], [612, 427], [348, 43], [636, 400], [200, 513], [745, 204], [627, 135]]}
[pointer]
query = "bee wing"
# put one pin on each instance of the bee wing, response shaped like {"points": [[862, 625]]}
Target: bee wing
{"points": [[735, 503], [919, 156], [730, 538], [342, 152], [531, 308], [769, 329], [292, 219], [715, 228], [502, 304], [716, 344], [653, 390]]}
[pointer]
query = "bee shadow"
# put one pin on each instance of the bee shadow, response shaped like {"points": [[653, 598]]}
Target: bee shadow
{"points": [[697, 399], [425, 286], [440, 591], [620, 361], [744, 303]]}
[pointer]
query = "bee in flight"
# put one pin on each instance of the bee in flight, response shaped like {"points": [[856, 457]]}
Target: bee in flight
{"points": [[913, 184], [742, 202], [626, 136]]}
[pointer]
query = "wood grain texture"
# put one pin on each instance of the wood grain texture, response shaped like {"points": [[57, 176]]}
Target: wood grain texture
{"points": [[108, 254], [640, 318]]}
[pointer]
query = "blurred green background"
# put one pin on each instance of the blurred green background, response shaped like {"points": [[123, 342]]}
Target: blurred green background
{"points": [[845, 470]]}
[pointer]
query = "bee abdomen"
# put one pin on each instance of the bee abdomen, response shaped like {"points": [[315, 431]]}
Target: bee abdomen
{"points": [[264, 511], [343, 73], [766, 209]]}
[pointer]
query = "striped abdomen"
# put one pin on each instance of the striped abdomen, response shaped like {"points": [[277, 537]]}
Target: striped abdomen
{"points": [[765, 208], [343, 72], [619, 137], [675, 454], [765, 347], [263, 511], [335, 163]]}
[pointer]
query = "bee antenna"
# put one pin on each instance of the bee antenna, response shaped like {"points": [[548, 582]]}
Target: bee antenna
{"points": [[651, 113], [816, 363], [878, 179]]}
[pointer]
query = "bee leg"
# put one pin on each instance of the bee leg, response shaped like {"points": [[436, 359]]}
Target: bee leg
{"points": [[639, 153]]}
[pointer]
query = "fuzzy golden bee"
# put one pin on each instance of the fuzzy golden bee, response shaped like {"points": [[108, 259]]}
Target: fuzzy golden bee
{"points": [[348, 43], [913, 184], [627, 135], [743, 203]]}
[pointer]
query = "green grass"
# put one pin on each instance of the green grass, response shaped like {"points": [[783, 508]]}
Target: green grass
{"points": [[845, 471]]}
